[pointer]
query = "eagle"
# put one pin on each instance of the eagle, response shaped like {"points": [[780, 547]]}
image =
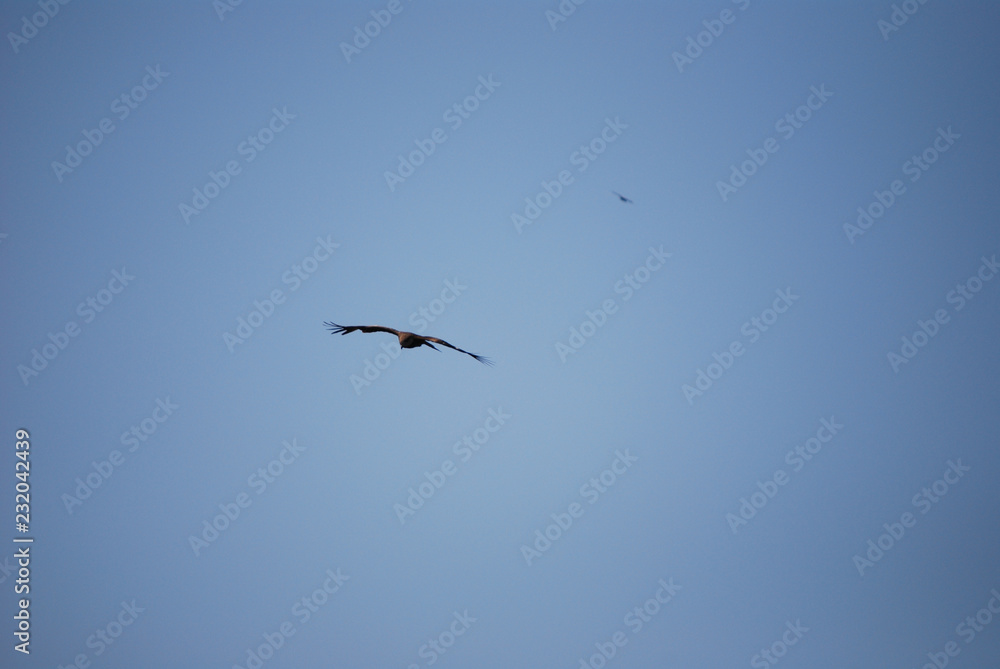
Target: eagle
{"points": [[623, 198], [406, 339]]}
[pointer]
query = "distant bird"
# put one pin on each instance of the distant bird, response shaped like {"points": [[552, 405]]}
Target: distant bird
{"points": [[623, 198], [406, 339]]}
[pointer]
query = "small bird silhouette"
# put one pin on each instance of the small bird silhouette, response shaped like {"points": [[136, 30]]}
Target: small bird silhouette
{"points": [[623, 198], [406, 339]]}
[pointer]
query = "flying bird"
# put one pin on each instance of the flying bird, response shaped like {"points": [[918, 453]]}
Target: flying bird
{"points": [[623, 198], [406, 339]]}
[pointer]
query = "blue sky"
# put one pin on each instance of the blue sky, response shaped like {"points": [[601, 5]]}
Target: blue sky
{"points": [[729, 424]]}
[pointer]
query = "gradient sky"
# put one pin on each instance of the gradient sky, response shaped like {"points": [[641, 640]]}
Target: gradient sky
{"points": [[751, 495]]}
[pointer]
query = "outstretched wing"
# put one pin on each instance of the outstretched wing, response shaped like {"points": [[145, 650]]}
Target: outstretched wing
{"points": [[622, 197], [480, 358], [344, 329]]}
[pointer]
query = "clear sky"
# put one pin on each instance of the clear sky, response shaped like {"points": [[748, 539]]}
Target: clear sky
{"points": [[747, 419]]}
